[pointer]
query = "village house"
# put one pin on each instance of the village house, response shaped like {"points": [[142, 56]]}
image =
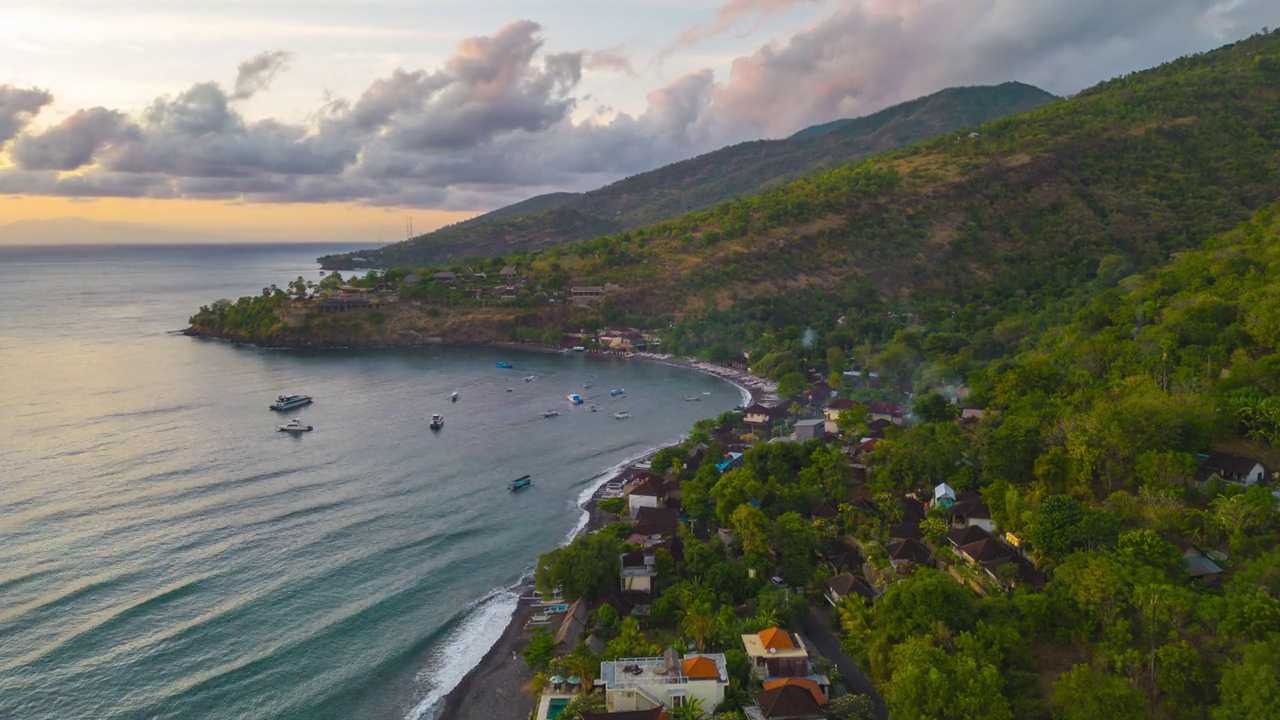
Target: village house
{"points": [[908, 552], [666, 681], [649, 491], [882, 410], [445, 276], [585, 295], [944, 496], [760, 416], [845, 584], [651, 524], [808, 430], [1229, 468], [412, 279], [968, 511], [789, 699], [508, 271], [637, 572], [776, 653], [1196, 562], [572, 627], [831, 413]]}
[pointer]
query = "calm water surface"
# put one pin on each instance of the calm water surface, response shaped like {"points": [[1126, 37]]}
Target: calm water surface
{"points": [[165, 553]]}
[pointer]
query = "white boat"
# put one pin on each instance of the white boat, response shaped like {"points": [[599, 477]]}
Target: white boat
{"points": [[529, 378], [692, 398], [294, 426], [551, 414], [706, 392], [437, 421], [454, 396], [622, 415], [289, 402], [575, 398]]}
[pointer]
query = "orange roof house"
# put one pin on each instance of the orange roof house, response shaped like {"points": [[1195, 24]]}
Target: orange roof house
{"points": [[700, 667]]}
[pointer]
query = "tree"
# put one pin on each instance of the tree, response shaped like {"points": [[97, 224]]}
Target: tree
{"points": [[1061, 524], [851, 419], [791, 384], [1250, 689], [699, 623], [1083, 693], [944, 684], [851, 707], [541, 649], [934, 530], [691, 710], [934, 408], [796, 544], [751, 528], [578, 706], [588, 566]]}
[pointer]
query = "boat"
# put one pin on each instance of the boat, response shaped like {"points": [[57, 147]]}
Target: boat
{"points": [[294, 426], [593, 408], [503, 365], [617, 392], [692, 398], [289, 402], [529, 378], [551, 414], [575, 398], [437, 421], [706, 392], [454, 396], [519, 483], [622, 415]]}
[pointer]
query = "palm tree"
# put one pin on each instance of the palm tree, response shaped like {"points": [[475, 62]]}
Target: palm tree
{"points": [[699, 623], [691, 710]]}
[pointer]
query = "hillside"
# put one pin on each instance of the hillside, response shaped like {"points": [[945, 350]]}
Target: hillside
{"points": [[708, 179]]}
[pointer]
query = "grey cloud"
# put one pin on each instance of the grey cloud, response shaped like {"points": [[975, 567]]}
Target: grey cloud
{"points": [[255, 74], [74, 142], [17, 108]]}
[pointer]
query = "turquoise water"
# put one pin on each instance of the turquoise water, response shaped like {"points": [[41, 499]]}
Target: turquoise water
{"points": [[165, 553]]}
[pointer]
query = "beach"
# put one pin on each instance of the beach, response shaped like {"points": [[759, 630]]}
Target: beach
{"points": [[498, 688]]}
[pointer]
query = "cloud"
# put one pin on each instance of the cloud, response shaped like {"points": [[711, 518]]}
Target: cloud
{"points": [[734, 12], [255, 74], [18, 107], [497, 121]]}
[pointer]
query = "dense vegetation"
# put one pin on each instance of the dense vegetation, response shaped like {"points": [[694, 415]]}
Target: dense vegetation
{"points": [[703, 181]]}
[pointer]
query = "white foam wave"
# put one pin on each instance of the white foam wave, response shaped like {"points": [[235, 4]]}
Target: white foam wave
{"points": [[465, 647]]}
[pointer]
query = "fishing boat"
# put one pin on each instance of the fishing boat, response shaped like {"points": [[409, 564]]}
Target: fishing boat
{"points": [[519, 483], [437, 421], [617, 392], [622, 415], [294, 426], [692, 398], [529, 378], [454, 396], [706, 392], [503, 365], [289, 402], [575, 398], [551, 414]]}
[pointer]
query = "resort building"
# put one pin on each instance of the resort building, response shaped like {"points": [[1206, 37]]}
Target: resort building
{"points": [[632, 684], [776, 653]]}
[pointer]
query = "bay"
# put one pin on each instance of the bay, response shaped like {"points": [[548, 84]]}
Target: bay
{"points": [[165, 553]]}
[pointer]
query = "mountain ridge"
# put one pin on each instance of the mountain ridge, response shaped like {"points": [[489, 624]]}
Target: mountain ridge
{"points": [[704, 180]]}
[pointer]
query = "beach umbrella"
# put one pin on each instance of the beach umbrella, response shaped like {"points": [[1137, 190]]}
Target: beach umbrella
{"points": [[574, 680]]}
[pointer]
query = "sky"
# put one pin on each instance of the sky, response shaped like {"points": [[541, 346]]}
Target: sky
{"points": [[340, 119]]}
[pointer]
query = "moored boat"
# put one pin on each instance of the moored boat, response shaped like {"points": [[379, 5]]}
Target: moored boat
{"points": [[529, 378], [437, 421], [503, 365], [692, 398], [622, 415], [294, 426], [617, 392], [575, 398], [289, 402], [519, 483], [551, 414], [454, 396]]}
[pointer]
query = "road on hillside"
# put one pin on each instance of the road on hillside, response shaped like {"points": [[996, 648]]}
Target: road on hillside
{"points": [[817, 629]]}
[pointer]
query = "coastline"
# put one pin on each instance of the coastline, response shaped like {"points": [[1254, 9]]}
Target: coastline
{"points": [[498, 687]]}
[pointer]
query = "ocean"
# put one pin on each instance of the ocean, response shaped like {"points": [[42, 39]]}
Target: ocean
{"points": [[166, 553]]}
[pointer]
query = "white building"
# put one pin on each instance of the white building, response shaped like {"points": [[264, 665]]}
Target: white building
{"points": [[667, 681]]}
